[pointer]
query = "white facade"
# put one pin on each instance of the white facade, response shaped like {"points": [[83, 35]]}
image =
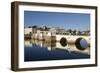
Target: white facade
{"points": [[27, 30]]}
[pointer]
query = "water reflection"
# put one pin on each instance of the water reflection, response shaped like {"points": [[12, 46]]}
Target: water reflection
{"points": [[42, 50]]}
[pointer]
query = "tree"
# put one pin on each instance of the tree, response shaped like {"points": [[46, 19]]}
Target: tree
{"points": [[34, 26], [74, 32], [69, 30]]}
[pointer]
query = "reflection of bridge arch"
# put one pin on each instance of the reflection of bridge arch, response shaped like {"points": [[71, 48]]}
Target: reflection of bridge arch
{"points": [[72, 47], [55, 45]]}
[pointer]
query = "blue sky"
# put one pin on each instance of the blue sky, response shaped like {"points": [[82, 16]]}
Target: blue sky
{"points": [[78, 21]]}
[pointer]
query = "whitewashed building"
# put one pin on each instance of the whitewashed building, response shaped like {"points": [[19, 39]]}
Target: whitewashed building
{"points": [[27, 31]]}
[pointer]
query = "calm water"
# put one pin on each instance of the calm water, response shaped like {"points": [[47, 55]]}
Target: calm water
{"points": [[40, 51]]}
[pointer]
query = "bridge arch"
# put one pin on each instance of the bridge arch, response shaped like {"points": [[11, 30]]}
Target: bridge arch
{"points": [[63, 41], [81, 43]]}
